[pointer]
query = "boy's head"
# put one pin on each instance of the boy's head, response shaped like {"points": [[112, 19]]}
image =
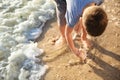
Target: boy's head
{"points": [[95, 20]]}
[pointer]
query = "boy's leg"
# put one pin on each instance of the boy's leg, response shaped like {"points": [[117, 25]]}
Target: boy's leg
{"points": [[61, 10], [81, 34]]}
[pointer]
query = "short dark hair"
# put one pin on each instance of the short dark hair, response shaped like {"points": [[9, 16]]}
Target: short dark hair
{"points": [[95, 20]]}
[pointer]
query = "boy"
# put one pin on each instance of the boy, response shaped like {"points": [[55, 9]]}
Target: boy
{"points": [[84, 15]]}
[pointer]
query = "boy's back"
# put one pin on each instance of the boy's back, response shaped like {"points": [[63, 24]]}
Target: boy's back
{"points": [[75, 9]]}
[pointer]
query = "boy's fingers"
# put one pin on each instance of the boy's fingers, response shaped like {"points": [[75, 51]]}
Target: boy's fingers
{"points": [[82, 54]]}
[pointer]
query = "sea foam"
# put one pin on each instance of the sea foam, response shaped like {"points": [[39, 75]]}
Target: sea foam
{"points": [[21, 21]]}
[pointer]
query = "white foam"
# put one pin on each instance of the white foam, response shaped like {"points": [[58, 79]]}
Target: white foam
{"points": [[20, 22]]}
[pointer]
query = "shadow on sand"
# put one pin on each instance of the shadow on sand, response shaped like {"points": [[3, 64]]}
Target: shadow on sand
{"points": [[106, 52], [107, 72]]}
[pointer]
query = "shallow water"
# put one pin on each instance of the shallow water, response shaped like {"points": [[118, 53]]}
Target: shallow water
{"points": [[21, 21]]}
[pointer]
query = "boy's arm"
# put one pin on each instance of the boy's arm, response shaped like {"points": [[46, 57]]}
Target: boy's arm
{"points": [[69, 40]]}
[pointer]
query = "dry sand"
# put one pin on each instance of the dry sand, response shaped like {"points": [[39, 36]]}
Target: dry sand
{"points": [[103, 60]]}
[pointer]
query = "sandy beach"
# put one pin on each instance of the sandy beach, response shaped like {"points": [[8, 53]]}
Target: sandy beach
{"points": [[103, 61]]}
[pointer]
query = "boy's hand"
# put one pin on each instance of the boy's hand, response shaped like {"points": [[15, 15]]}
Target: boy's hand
{"points": [[76, 51], [80, 53]]}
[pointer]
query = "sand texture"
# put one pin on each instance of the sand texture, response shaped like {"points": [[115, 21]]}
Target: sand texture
{"points": [[103, 61]]}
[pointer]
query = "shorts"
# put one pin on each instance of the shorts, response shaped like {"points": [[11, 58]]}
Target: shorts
{"points": [[61, 11]]}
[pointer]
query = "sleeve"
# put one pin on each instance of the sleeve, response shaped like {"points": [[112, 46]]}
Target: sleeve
{"points": [[98, 2], [74, 11], [71, 19]]}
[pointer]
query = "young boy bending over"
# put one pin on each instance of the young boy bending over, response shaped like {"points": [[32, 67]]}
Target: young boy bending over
{"points": [[81, 15]]}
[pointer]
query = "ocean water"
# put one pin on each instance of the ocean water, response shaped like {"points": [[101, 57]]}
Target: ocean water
{"points": [[21, 21]]}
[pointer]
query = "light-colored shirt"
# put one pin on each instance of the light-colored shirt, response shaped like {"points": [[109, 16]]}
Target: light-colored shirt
{"points": [[75, 8]]}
